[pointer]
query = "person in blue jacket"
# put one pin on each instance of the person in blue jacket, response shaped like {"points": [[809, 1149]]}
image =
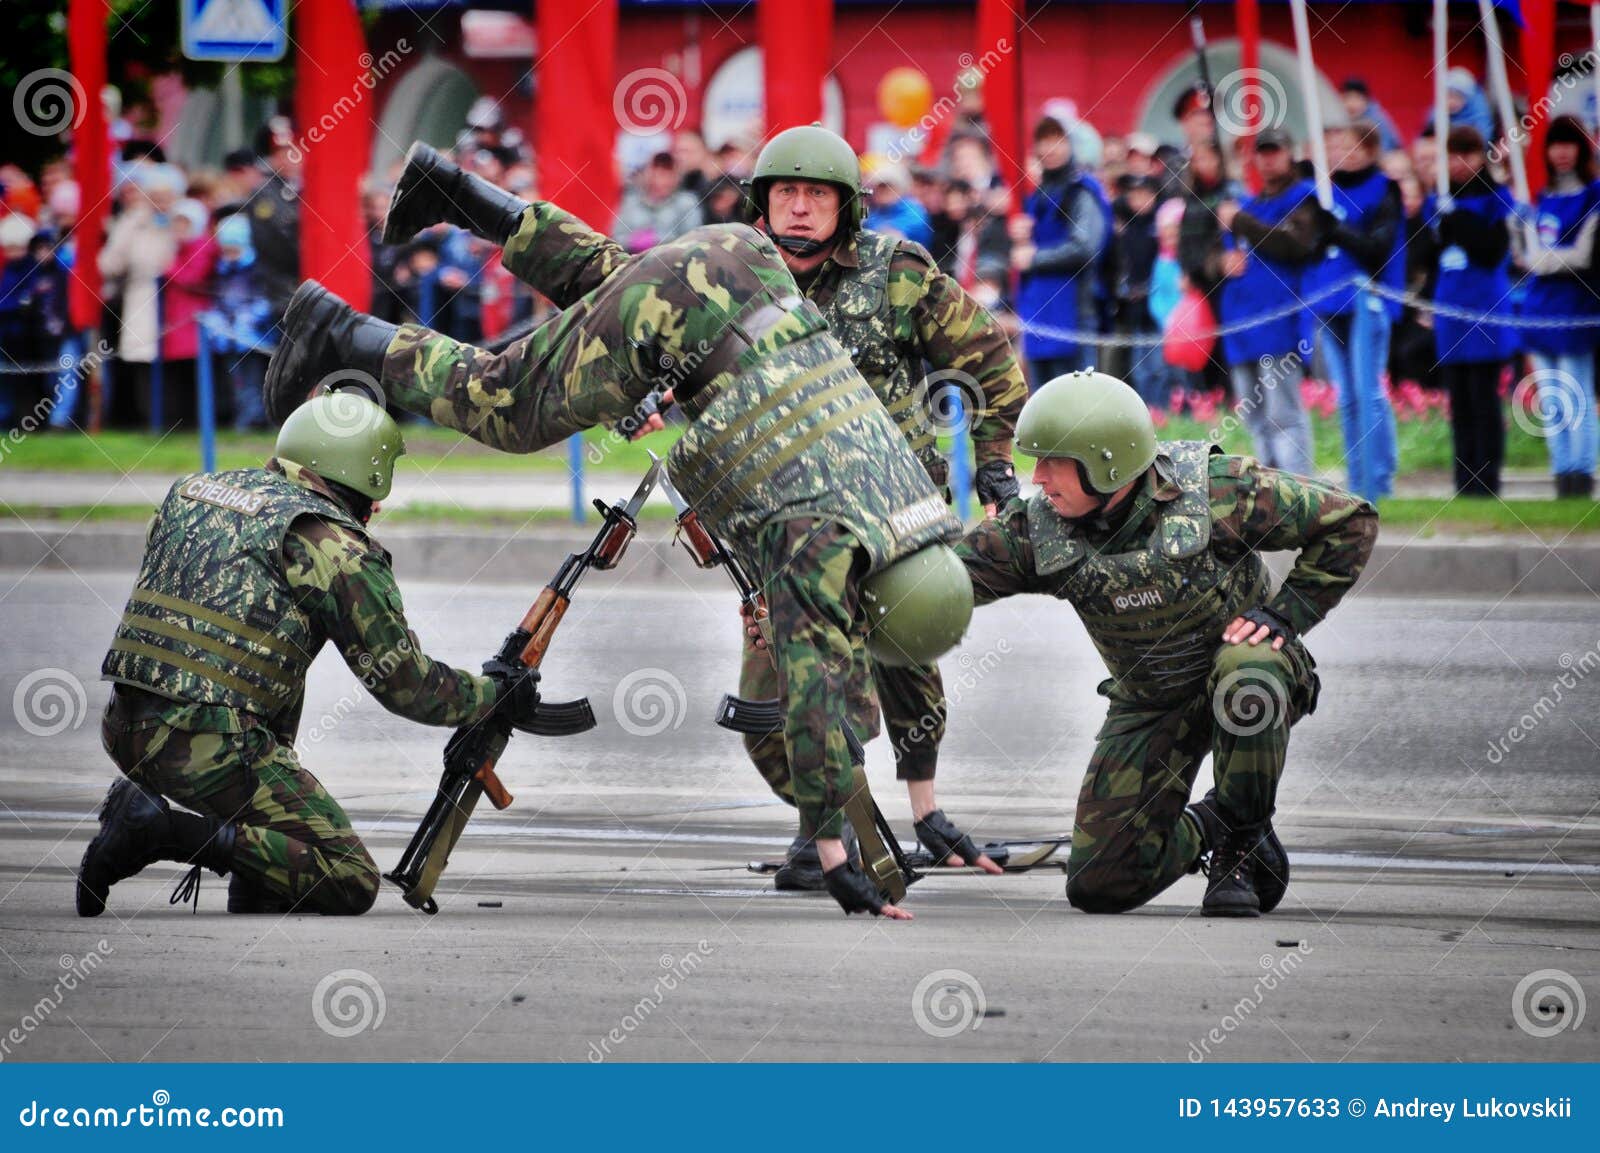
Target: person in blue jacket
{"points": [[1365, 231], [1272, 239], [1064, 235], [1566, 215], [1472, 242]]}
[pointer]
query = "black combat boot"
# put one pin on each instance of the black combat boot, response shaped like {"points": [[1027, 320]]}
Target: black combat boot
{"points": [[1563, 484], [432, 190], [324, 343], [1269, 861], [138, 828], [802, 867], [246, 894], [1583, 485]]}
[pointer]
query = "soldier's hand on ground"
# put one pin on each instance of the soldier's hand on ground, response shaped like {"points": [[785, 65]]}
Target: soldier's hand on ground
{"points": [[853, 889], [1256, 626], [949, 846]]}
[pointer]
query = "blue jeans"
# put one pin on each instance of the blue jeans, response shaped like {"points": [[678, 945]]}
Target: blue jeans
{"points": [[1267, 399], [68, 382], [1355, 347], [1566, 403]]}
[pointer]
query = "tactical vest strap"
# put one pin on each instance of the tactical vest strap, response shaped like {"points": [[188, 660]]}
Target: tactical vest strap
{"points": [[210, 644], [772, 401], [200, 613], [801, 445], [254, 693]]}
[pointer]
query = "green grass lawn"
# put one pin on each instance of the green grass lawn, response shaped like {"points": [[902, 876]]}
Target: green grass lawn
{"points": [[1424, 447], [427, 448], [1547, 520]]}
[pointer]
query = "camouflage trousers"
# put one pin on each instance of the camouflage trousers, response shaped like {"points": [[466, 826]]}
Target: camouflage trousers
{"points": [[650, 324], [1131, 839], [913, 711], [294, 839], [811, 571]]}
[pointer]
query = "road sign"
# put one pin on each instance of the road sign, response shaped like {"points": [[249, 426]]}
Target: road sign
{"points": [[234, 30]]}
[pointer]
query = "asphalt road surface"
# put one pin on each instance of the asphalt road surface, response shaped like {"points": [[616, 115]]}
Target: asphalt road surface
{"points": [[1440, 808]]}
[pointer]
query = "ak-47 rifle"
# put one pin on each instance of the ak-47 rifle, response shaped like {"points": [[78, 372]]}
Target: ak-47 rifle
{"points": [[473, 750], [885, 861]]}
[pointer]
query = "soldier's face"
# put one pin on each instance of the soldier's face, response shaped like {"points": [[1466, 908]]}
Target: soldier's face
{"points": [[803, 208], [1063, 487]]}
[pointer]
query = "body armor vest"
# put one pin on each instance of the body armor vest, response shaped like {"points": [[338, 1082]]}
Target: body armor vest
{"points": [[862, 317], [212, 619], [1157, 610], [800, 434]]}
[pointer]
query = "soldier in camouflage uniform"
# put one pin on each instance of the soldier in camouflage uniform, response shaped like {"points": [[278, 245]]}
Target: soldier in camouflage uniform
{"points": [[789, 456], [891, 308], [1158, 547], [246, 575]]}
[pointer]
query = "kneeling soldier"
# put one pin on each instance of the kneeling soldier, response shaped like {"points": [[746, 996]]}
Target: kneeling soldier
{"points": [[789, 456], [246, 574], [1158, 547]]}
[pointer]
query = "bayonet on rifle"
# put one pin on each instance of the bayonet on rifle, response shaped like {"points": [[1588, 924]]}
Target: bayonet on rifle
{"points": [[474, 749]]}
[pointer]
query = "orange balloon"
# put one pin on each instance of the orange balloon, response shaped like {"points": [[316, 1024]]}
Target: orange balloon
{"points": [[904, 96]]}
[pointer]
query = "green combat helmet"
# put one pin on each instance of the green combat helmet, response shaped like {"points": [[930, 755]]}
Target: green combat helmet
{"points": [[810, 152], [1094, 419], [918, 608], [344, 437]]}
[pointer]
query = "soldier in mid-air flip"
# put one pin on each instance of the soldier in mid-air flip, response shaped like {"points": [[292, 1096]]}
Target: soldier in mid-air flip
{"points": [[789, 456]]}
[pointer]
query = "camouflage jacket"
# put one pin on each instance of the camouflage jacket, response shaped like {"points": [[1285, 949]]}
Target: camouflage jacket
{"points": [[1252, 508], [340, 582], [922, 314]]}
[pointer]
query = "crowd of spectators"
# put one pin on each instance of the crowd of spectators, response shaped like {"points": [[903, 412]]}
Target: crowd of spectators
{"points": [[1114, 250]]}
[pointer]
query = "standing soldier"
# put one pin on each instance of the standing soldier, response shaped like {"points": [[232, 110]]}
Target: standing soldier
{"points": [[884, 300], [1158, 547], [790, 456], [246, 574]]}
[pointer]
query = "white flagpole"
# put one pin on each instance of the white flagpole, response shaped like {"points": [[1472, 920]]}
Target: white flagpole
{"points": [[1594, 59], [1508, 114], [1311, 92], [1441, 98]]}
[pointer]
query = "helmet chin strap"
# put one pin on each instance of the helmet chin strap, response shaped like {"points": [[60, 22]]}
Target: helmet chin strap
{"points": [[802, 245]]}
